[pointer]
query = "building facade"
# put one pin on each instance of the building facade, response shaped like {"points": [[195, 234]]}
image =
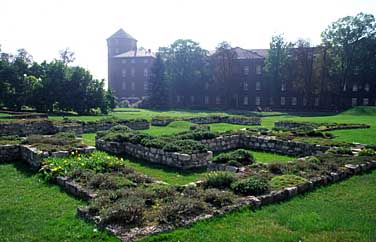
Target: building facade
{"points": [[129, 69]]}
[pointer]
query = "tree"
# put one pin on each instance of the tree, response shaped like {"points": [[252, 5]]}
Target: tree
{"points": [[158, 89], [277, 61], [185, 65], [222, 65], [343, 38], [67, 56]]}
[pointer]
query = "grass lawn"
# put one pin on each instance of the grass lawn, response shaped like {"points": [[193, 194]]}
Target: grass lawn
{"points": [[32, 210], [341, 212], [265, 157], [167, 174], [88, 138]]}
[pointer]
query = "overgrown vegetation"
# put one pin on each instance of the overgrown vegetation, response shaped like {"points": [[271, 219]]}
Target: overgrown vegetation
{"points": [[61, 141]]}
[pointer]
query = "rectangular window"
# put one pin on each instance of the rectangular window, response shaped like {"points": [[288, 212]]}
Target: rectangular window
{"points": [[123, 85], [366, 87], [258, 101], [146, 72], [123, 72], [218, 100], [133, 72], [317, 101], [245, 86], [283, 86], [245, 101], [271, 101], [178, 100], [123, 61], [365, 101], [355, 88], [293, 101], [117, 51], [246, 70], [206, 85], [206, 100], [304, 101], [258, 70], [354, 102], [146, 85], [133, 86], [283, 101], [133, 61], [192, 99], [258, 86]]}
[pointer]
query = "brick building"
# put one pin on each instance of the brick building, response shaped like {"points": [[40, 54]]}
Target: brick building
{"points": [[129, 69]]}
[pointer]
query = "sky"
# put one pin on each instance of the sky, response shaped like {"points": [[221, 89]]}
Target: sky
{"points": [[43, 27]]}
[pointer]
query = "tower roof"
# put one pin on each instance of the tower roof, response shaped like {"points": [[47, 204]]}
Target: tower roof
{"points": [[121, 34]]}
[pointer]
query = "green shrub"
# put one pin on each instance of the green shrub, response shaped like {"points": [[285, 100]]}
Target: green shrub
{"points": [[109, 181], [10, 140], [367, 152], [313, 159], [253, 185], [180, 209], [340, 151], [200, 127], [239, 157], [276, 168], [279, 182], [219, 179], [218, 198], [127, 211], [56, 142]]}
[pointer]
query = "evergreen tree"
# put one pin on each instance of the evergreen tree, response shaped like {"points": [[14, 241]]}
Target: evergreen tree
{"points": [[158, 90]]}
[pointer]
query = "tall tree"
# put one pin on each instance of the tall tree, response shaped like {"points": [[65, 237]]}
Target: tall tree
{"points": [[67, 56], [158, 89], [276, 62], [343, 38], [222, 65]]}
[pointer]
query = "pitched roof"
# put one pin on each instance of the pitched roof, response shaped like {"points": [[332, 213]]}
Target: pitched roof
{"points": [[246, 54], [121, 34], [261, 52], [136, 53]]}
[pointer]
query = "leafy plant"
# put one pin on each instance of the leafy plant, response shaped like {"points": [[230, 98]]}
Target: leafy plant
{"points": [[220, 180], [283, 181], [254, 185], [367, 152], [218, 198]]}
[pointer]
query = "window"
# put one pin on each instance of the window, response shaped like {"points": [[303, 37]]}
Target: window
{"points": [[283, 86], [271, 101], [123, 72], [178, 99], [317, 101], [206, 100], [366, 87], [116, 41], [354, 101], [245, 101], [365, 101], [258, 70], [258, 86], [258, 101], [245, 86], [355, 88], [123, 85], [133, 86], [146, 61], [218, 100], [206, 85], [123, 61], [133, 61], [304, 101], [192, 99], [246, 70], [117, 50], [293, 101], [146, 72], [283, 101], [133, 72], [146, 85]]}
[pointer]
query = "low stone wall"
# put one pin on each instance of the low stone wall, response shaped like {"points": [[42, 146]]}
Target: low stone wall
{"points": [[27, 127], [225, 119], [162, 122], [32, 155], [132, 234], [263, 143], [74, 188], [45, 126], [9, 153], [158, 156], [330, 127]]}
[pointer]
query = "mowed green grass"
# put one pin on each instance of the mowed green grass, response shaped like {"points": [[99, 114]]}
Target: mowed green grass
{"points": [[32, 210], [341, 212]]}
